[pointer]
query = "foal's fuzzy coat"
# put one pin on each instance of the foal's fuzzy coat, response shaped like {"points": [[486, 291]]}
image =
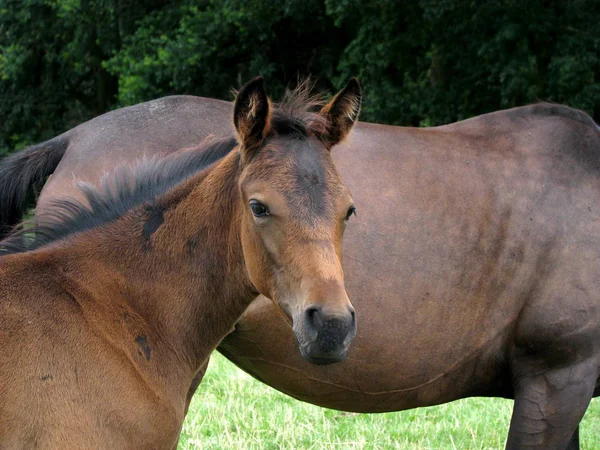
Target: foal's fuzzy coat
{"points": [[111, 315]]}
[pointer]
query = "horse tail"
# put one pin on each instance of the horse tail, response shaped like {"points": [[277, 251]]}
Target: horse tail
{"points": [[24, 173]]}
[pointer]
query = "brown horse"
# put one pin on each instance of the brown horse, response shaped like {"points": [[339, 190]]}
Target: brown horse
{"points": [[113, 310], [474, 262]]}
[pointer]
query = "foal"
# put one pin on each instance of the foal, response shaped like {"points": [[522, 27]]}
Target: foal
{"points": [[107, 320]]}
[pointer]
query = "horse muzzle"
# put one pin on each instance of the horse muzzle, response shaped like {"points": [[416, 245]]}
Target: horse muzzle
{"points": [[324, 338]]}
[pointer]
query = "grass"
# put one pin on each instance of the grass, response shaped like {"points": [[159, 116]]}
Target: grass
{"points": [[231, 410]]}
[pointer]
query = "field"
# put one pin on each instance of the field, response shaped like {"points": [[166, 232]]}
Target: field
{"points": [[231, 410]]}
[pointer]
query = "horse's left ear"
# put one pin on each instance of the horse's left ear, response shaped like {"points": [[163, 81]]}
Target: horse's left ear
{"points": [[251, 116], [342, 113]]}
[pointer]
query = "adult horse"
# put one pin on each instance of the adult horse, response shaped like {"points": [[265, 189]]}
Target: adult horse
{"points": [[474, 263], [113, 309]]}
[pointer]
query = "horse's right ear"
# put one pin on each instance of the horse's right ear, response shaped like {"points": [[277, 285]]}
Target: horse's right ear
{"points": [[342, 113], [251, 116]]}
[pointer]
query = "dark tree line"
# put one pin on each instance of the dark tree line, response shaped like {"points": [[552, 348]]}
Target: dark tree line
{"points": [[424, 62]]}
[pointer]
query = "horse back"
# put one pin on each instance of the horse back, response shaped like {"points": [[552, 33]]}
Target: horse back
{"points": [[127, 135]]}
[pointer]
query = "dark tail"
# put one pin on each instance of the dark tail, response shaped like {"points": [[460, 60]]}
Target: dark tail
{"points": [[24, 173]]}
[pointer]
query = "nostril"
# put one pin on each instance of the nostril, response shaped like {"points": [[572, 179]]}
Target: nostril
{"points": [[313, 316], [353, 315]]}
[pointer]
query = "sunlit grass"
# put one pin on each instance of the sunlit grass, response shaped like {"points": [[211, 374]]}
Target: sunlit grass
{"points": [[233, 411]]}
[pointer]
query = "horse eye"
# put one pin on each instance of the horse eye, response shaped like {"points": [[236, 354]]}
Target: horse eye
{"points": [[351, 210], [258, 209]]}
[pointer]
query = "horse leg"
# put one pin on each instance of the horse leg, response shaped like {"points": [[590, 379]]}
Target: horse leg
{"points": [[574, 442], [195, 383], [549, 404]]}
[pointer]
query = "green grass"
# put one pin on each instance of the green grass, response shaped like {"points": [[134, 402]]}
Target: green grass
{"points": [[231, 410]]}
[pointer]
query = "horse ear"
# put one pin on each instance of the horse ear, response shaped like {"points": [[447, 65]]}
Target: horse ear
{"points": [[342, 113], [251, 115]]}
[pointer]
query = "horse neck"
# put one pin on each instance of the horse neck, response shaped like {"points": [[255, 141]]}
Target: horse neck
{"points": [[175, 295], [207, 224]]}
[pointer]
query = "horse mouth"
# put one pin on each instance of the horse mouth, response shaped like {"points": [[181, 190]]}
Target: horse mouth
{"points": [[322, 361]]}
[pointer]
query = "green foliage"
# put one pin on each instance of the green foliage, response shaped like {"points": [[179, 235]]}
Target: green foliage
{"points": [[438, 61], [425, 62], [51, 63], [206, 49]]}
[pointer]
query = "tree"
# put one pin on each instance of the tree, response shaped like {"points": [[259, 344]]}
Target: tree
{"points": [[425, 62], [52, 75]]}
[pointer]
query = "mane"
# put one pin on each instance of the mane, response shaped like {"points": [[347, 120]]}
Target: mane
{"points": [[296, 115], [125, 189]]}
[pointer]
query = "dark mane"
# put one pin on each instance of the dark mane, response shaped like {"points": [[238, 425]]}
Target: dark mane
{"points": [[117, 194], [297, 113]]}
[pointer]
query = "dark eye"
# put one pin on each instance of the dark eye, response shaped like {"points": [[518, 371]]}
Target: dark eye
{"points": [[258, 209], [351, 210]]}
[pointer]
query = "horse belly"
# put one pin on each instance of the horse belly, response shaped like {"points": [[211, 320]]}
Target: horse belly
{"points": [[375, 377]]}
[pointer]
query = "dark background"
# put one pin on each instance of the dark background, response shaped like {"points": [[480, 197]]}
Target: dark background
{"points": [[421, 62]]}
